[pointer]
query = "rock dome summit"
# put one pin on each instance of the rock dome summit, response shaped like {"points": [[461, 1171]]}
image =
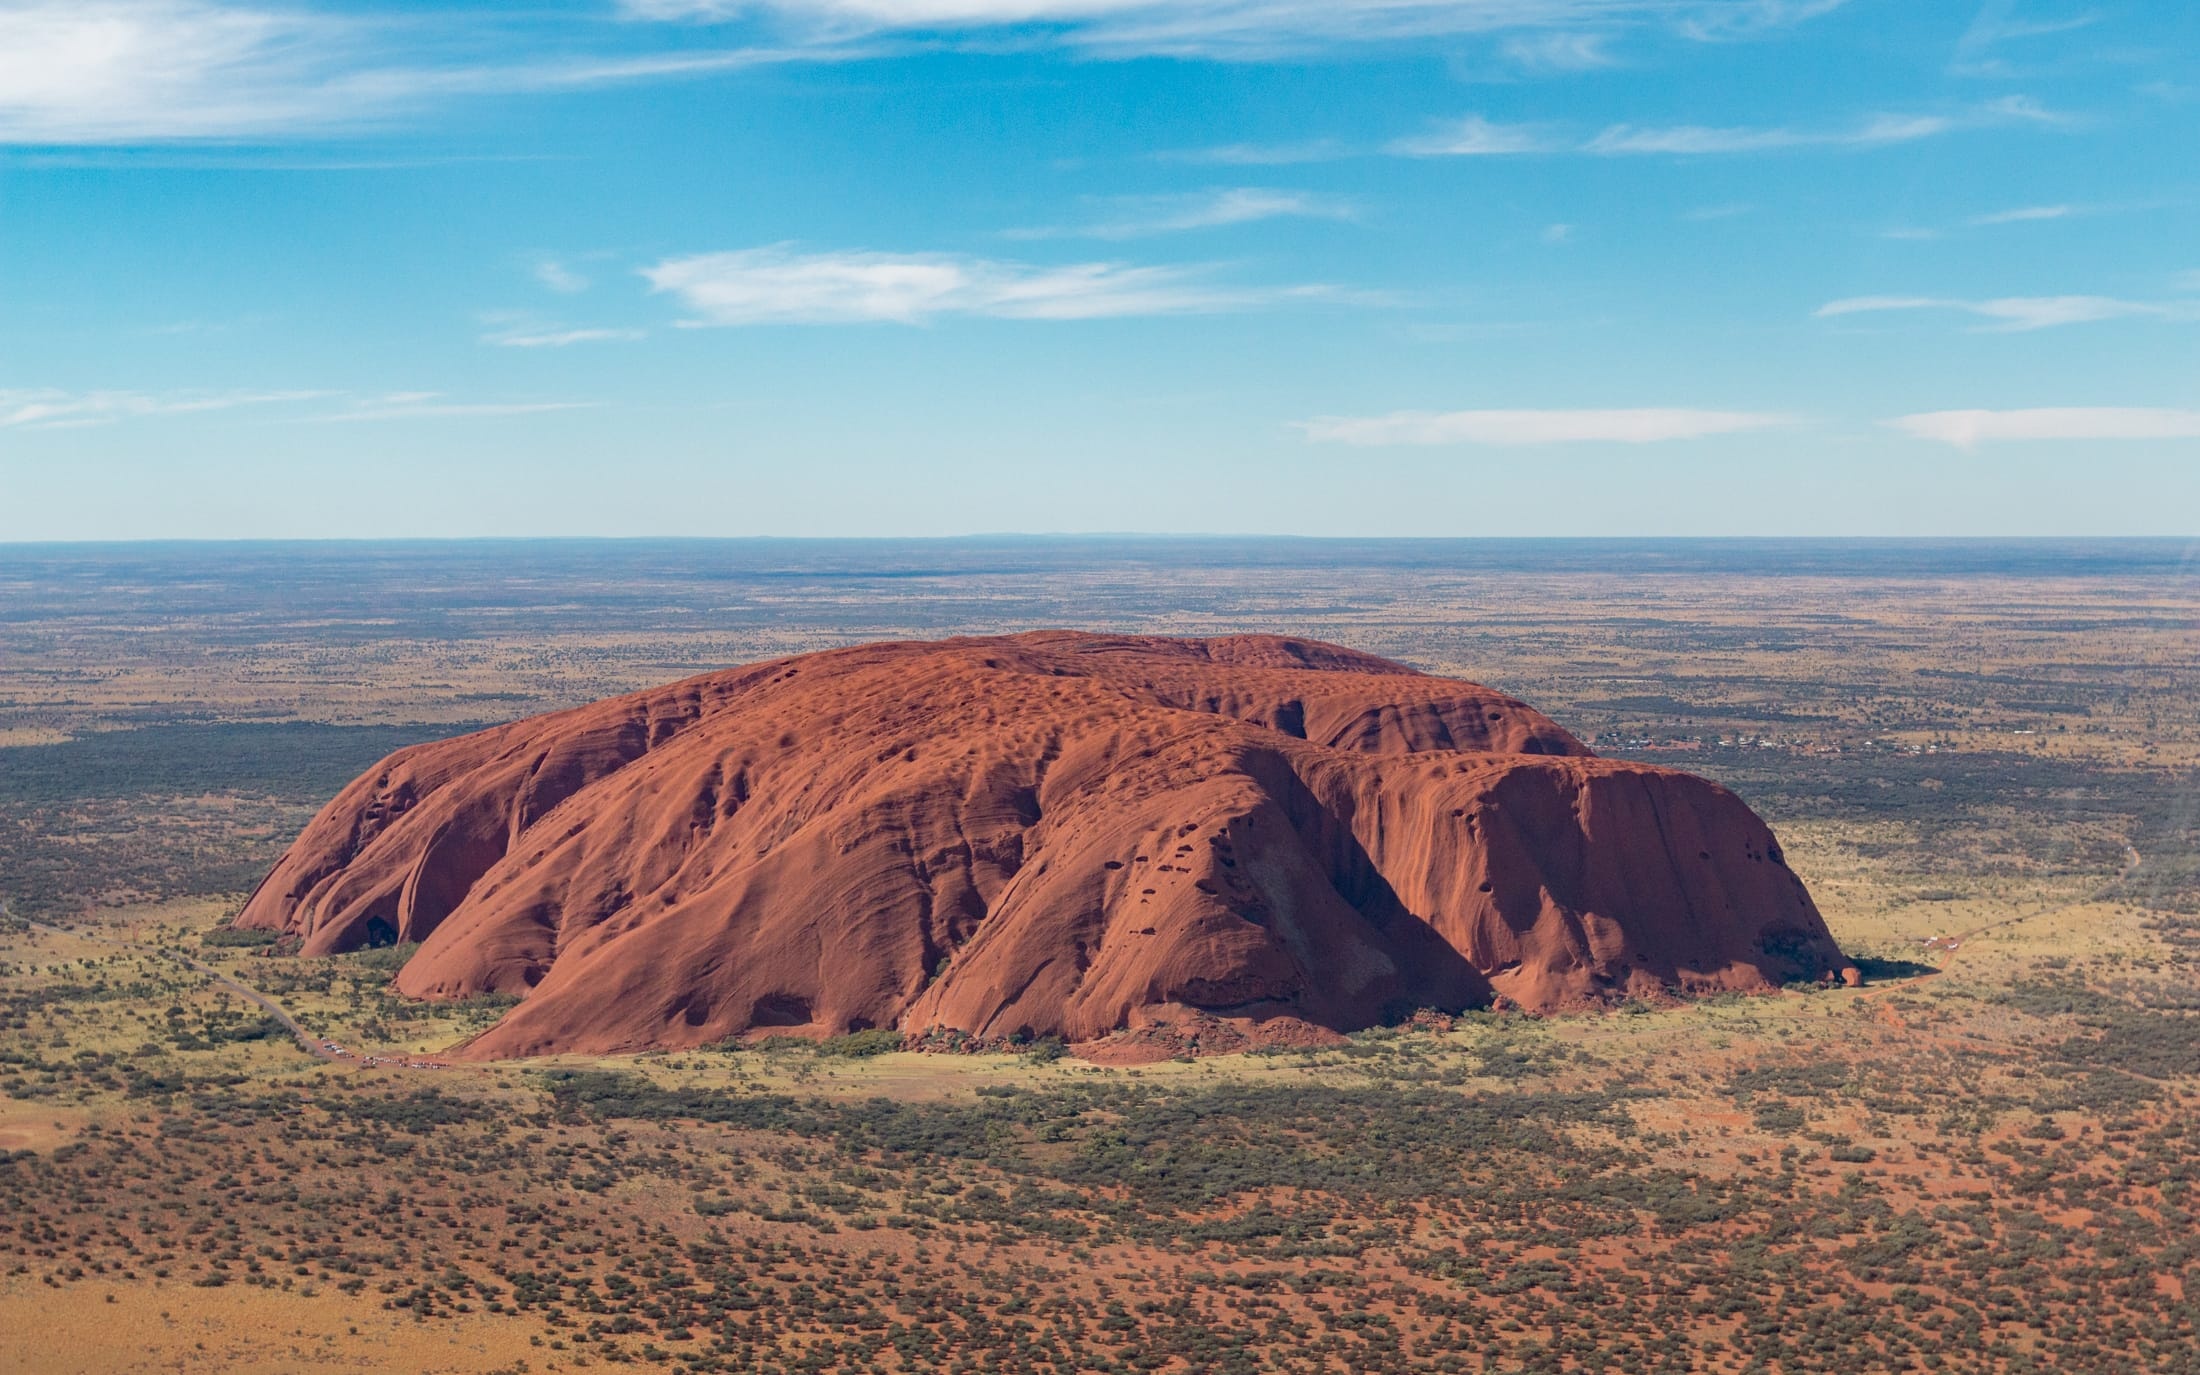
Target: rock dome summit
{"points": [[1043, 834]]}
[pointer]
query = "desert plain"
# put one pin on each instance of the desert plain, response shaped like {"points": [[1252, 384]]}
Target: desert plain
{"points": [[1980, 757]]}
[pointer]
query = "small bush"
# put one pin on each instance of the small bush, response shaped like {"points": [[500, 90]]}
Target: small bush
{"points": [[387, 959], [858, 1044], [1046, 1050]]}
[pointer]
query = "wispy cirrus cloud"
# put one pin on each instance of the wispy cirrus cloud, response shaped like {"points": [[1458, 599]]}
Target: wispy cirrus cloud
{"points": [[1134, 217], [1546, 32], [2023, 214], [555, 338], [56, 409], [781, 285], [1561, 51], [2016, 313], [1478, 136], [429, 405], [1697, 140], [1998, 25], [75, 72], [520, 330], [1263, 154], [1475, 136], [559, 276], [1650, 425], [1968, 429], [1749, 18], [53, 409]]}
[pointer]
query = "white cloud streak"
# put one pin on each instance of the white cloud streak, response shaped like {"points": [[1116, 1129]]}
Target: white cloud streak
{"points": [[55, 409], [1748, 18], [1996, 25], [561, 338], [2015, 314], [1515, 427], [2023, 214], [1968, 429], [779, 285], [424, 405], [1137, 217], [1560, 52], [1551, 33], [1696, 140], [76, 72], [1475, 136], [1263, 154], [51, 409], [91, 71], [559, 277], [522, 330]]}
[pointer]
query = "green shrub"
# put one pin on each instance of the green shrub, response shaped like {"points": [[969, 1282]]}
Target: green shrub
{"points": [[858, 1044], [387, 959]]}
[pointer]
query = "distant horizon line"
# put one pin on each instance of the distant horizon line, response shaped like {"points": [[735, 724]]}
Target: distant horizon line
{"points": [[1125, 536]]}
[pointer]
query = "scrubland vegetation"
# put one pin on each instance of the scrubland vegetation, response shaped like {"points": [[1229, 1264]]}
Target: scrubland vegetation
{"points": [[1942, 1173], [1985, 1160]]}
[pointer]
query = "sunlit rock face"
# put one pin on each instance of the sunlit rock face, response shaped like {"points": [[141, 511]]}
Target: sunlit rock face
{"points": [[1048, 834]]}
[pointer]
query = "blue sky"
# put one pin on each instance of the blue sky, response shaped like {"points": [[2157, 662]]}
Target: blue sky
{"points": [[1431, 267]]}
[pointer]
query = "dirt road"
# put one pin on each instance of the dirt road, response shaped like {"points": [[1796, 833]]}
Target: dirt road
{"points": [[269, 1005]]}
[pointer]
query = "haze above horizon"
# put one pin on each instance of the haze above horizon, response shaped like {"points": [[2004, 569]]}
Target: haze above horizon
{"points": [[933, 267]]}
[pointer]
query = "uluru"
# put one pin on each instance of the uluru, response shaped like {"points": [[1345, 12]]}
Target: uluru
{"points": [[1047, 834]]}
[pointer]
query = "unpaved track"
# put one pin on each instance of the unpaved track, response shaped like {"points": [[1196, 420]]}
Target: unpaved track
{"points": [[274, 1009], [1963, 939], [2099, 894]]}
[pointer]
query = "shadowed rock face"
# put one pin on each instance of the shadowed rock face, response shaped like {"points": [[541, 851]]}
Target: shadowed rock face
{"points": [[1055, 833]]}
